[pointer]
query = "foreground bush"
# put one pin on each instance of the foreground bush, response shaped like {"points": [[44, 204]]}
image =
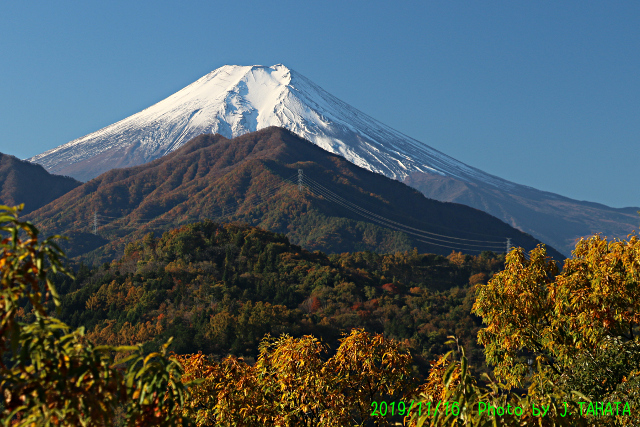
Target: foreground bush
{"points": [[52, 375], [569, 339]]}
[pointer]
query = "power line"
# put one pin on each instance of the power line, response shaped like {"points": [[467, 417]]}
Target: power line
{"points": [[256, 199], [300, 177], [485, 247], [385, 224], [320, 190], [452, 247], [501, 243]]}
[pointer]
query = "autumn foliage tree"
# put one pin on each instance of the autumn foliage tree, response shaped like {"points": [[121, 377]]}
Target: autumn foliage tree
{"points": [[293, 383], [570, 338], [578, 315], [576, 329], [453, 396], [51, 374]]}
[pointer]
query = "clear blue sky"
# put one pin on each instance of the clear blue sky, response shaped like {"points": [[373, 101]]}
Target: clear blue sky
{"points": [[541, 93]]}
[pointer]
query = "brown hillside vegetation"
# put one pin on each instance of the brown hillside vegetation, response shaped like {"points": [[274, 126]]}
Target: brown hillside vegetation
{"points": [[219, 288], [253, 179], [31, 184]]}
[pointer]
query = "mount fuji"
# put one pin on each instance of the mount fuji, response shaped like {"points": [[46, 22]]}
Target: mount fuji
{"points": [[234, 100]]}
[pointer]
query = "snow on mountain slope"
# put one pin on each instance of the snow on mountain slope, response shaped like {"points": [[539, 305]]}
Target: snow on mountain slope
{"points": [[234, 100]]}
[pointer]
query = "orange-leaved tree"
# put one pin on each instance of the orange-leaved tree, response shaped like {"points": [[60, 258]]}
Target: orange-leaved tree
{"points": [[570, 337], [370, 368], [293, 384], [225, 393]]}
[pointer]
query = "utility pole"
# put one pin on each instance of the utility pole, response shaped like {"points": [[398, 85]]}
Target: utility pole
{"points": [[508, 244], [95, 223], [300, 180]]}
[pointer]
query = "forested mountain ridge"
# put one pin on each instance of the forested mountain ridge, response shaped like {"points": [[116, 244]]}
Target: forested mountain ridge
{"points": [[254, 179], [31, 184], [233, 100], [219, 288]]}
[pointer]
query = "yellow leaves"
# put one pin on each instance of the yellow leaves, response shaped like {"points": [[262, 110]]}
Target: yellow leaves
{"points": [[93, 303], [456, 258], [291, 382], [598, 289], [532, 306]]}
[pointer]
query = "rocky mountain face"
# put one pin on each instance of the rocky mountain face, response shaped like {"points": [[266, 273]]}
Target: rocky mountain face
{"points": [[234, 100]]}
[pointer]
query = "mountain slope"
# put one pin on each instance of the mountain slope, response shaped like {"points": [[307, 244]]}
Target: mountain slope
{"points": [[556, 220], [24, 182], [254, 179], [234, 100]]}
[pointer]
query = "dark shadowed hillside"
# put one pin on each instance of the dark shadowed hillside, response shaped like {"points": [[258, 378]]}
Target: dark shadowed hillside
{"points": [[31, 184], [254, 179]]}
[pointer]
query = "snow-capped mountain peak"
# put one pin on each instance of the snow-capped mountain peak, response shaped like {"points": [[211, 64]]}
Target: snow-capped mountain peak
{"points": [[233, 100]]}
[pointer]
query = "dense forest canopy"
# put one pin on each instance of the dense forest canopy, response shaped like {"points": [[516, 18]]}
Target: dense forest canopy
{"points": [[270, 334], [219, 288]]}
